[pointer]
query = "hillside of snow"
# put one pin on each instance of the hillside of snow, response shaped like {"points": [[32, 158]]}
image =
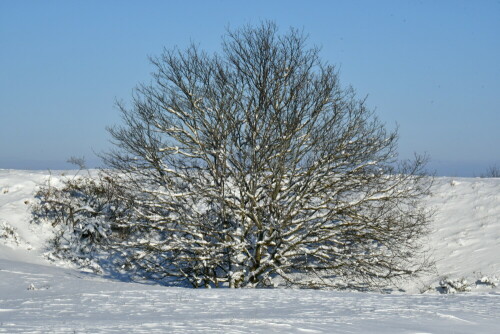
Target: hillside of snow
{"points": [[41, 296]]}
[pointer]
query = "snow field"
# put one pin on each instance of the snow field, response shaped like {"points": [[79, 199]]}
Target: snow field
{"points": [[38, 297]]}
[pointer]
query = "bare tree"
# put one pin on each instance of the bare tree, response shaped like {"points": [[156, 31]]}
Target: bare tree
{"points": [[492, 171], [254, 167]]}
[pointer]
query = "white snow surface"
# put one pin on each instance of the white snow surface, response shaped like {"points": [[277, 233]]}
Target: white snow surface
{"points": [[38, 296]]}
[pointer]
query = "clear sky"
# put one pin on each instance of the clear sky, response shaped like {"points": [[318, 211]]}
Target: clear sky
{"points": [[431, 67]]}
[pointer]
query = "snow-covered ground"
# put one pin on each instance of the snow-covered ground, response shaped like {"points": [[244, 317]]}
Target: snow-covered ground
{"points": [[36, 296]]}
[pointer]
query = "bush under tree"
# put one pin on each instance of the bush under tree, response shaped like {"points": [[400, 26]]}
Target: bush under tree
{"points": [[87, 216], [254, 167]]}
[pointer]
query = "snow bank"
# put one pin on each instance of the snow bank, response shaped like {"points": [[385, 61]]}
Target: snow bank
{"points": [[465, 232], [466, 228]]}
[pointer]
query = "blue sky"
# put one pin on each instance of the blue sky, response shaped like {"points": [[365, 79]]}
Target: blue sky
{"points": [[432, 67]]}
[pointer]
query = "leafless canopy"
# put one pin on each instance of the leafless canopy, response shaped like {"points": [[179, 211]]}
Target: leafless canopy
{"points": [[254, 167]]}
